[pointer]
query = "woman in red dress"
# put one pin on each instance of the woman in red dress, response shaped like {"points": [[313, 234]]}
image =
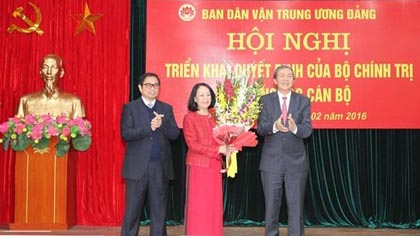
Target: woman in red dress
{"points": [[204, 196]]}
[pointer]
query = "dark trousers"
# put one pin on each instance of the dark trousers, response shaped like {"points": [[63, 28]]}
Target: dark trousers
{"points": [[155, 184], [294, 184]]}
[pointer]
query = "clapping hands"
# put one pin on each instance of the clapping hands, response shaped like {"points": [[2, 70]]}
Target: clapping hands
{"points": [[282, 127], [156, 121]]}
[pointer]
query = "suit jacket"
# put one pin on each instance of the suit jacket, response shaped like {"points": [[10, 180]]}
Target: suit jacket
{"points": [[284, 150], [198, 133], [137, 133]]}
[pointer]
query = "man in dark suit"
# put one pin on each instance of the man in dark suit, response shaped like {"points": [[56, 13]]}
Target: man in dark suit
{"points": [[146, 126], [285, 120]]}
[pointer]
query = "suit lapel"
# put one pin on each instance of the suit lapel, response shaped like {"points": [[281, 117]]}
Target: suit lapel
{"points": [[293, 105], [159, 107], [140, 110], [276, 104]]}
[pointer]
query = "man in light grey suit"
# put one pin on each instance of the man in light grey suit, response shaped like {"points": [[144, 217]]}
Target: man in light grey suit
{"points": [[285, 120], [147, 126]]}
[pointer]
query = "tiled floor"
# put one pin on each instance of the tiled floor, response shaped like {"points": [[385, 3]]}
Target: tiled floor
{"points": [[228, 231]]}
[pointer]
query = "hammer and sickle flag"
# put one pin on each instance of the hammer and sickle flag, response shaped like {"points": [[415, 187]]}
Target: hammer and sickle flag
{"points": [[32, 26]]}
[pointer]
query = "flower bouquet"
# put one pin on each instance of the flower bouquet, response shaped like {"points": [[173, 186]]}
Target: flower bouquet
{"points": [[18, 132], [237, 108]]}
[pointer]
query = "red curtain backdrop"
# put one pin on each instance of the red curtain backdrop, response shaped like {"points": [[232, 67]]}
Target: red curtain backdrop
{"points": [[96, 70]]}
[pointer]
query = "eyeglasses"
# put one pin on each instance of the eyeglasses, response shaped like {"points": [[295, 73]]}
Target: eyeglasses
{"points": [[149, 85]]}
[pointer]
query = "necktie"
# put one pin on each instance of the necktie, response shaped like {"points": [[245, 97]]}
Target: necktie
{"points": [[150, 105], [284, 111]]}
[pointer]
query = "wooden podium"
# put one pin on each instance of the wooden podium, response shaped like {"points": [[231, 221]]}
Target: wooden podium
{"points": [[45, 189]]}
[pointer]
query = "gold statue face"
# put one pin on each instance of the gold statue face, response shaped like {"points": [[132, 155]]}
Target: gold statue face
{"points": [[51, 71]]}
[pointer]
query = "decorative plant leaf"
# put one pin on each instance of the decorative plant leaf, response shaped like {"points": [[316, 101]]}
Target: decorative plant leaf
{"points": [[81, 143], [6, 141], [62, 148], [21, 143], [43, 143]]}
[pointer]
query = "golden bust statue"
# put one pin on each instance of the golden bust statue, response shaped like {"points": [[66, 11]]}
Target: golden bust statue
{"points": [[51, 100]]}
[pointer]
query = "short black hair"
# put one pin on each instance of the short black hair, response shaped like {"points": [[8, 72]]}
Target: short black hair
{"points": [[141, 79], [192, 105], [279, 68]]}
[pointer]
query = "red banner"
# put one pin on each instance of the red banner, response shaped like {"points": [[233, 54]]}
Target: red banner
{"points": [[356, 61], [92, 37]]}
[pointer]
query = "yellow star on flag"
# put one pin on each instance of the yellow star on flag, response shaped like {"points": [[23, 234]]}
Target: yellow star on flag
{"points": [[86, 20]]}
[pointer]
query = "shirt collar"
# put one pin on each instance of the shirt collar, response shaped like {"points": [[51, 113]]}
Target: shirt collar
{"points": [[148, 102], [287, 95]]}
